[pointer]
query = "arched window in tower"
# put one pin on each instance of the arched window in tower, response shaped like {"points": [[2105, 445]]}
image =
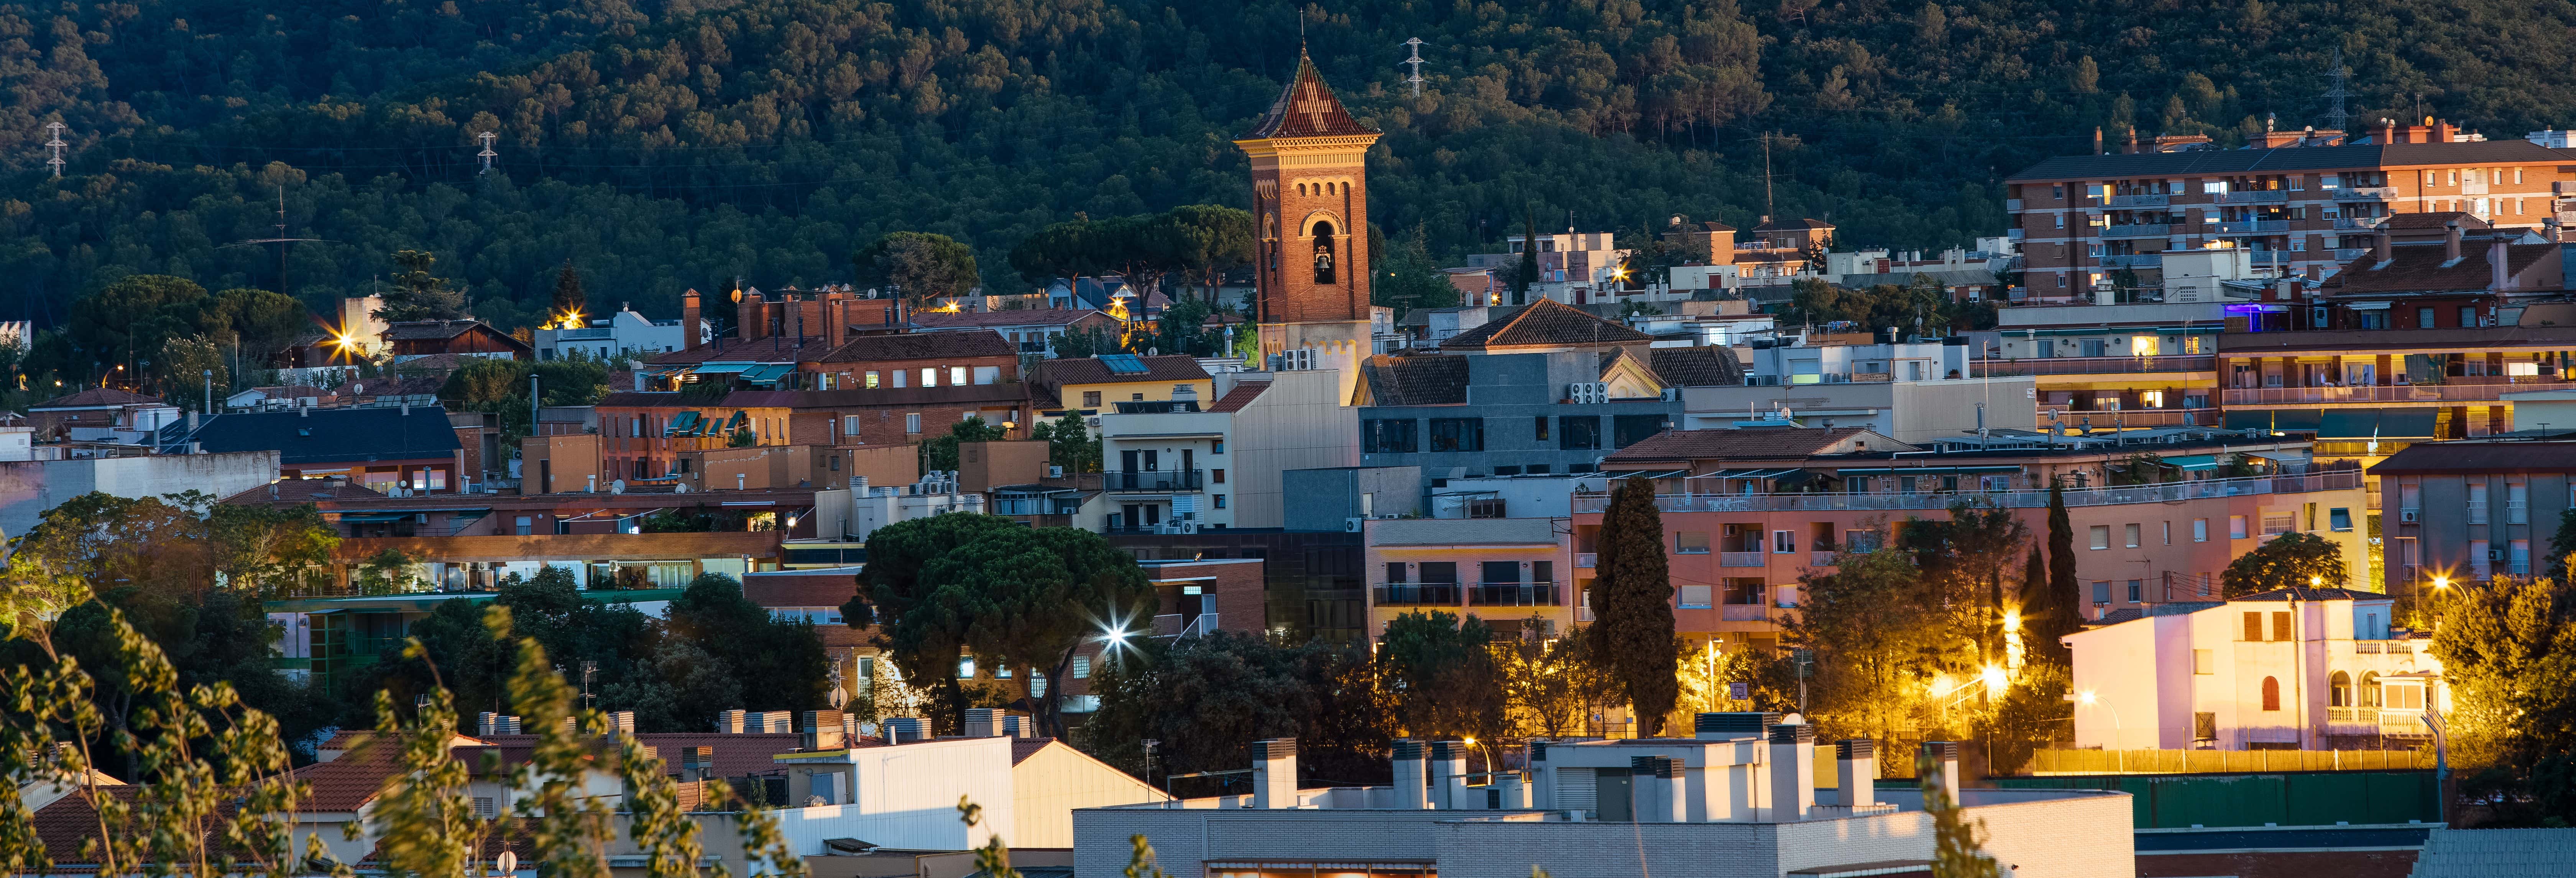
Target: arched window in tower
{"points": [[1324, 255]]}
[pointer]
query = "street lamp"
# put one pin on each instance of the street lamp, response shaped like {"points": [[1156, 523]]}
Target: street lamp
{"points": [[2087, 698]]}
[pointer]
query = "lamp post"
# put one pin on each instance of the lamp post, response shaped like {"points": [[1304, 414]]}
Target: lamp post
{"points": [[2087, 698], [2441, 760]]}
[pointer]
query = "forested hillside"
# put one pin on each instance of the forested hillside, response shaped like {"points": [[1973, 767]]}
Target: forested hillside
{"points": [[663, 145]]}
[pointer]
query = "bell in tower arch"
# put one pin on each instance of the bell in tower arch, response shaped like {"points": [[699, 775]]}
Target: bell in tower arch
{"points": [[1323, 253]]}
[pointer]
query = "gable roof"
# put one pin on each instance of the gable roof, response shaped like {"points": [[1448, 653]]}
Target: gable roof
{"points": [[2423, 269], [1756, 444], [95, 397], [340, 435], [1416, 380], [1703, 366], [923, 346], [1307, 108], [1545, 323], [1092, 370], [2435, 220], [1242, 395]]}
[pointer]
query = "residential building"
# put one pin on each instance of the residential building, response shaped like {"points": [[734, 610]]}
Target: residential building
{"points": [[412, 339], [620, 334], [100, 414], [1574, 268], [2293, 199], [398, 449], [1521, 496], [1031, 331], [1750, 511], [1094, 385], [2294, 669], [1175, 465], [1742, 797], [31, 488], [1913, 411], [1313, 580], [1504, 571], [1336, 498], [2140, 364], [876, 506], [2472, 511]]}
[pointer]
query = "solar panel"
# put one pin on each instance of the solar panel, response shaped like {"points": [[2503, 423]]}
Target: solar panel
{"points": [[1124, 364]]}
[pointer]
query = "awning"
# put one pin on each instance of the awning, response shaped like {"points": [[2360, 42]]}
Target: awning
{"points": [[680, 424], [2368, 306], [767, 373], [2193, 463], [1929, 470], [2282, 457], [373, 517], [1751, 473], [724, 368]]}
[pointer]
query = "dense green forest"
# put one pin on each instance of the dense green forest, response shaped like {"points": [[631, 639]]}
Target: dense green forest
{"points": [[665, 144]]}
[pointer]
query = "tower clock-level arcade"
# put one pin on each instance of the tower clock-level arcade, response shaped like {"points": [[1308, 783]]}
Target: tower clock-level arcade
{"points": [[1310, 199]]}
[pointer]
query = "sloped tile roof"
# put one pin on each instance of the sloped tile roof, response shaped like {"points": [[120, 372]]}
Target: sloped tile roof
{"points": [[1307, 108], [306, 491], [2434, 221], [1704, 366], [2479, 457], [2420, 268], [942, 320], [1170, 368], [1242, 395], [923, 346], [774, 349], [1545, 323], [1417, 380], [334, 435], [415, 330], [93, 397], [2497, 853]]}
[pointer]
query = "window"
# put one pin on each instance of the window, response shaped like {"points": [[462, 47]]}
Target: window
{"points": [[1387, 435], [2339, 690], [523, 525], [1690, 542], [1457, 434], [1541, 428], [1091, 399], [2280, 522], [2424, 318], [901, 376], [2101, 536], [1694, 597], [1216, 476], [1395, 571], [966, 668], [912, 422], [2281, 625], [2204, 661], [2131, 532], [2254, 627], [1220, 500], [1632, 429], [872, 379], [1578, 432], [2200, 530], [2339, 519], [957, 376], [2236, 527], [2101, 591], [1216, 446], [2271, 693], [2468, 315], [2168, 533], [2137, 591]]}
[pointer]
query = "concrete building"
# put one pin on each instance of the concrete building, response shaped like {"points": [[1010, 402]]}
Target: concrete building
{"points": [[1739, 800], [1913, 411], [2471, 511], [876, 506], [1178, 465], [31, 488], [2142, 364], [402, 449], [414, 339], [621, 334], [2309, 669], [1573, 267], [1094, 385], [1505, 571], [100, 414]]}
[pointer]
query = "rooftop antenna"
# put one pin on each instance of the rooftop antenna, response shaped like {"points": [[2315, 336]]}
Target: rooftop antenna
{"points": [[1416, 79], [57, 145], [2335, 76], [487, 155], [280, 239]]}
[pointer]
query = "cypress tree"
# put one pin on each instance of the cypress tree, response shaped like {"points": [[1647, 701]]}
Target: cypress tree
{"points": [[2039, 612], [2065, 596], [569, 298], [1632, 603], [1529, 260]]}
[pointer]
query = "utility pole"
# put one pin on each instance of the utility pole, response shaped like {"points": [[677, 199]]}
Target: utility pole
{"points": [[280, 239], [1767, 209], [487, 155], [57, 145], [1416, 79]]}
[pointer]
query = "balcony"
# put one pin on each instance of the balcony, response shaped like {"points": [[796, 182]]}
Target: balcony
{"points": [[1153, 481], [2360, 223], [2366, 193], [1740, 559], [2141, 200], [2273, 257], [1824, 559], [2136, 231], [2133, 260], [1744, 612], [2012, 205], [1587, 560], [2348, 254], [2254, 227], [1414, 594], [2013, 234], [2091, 366], [1515, 594], [2395, 393], [2166, 493], [2128, 418], [2258, 196]]}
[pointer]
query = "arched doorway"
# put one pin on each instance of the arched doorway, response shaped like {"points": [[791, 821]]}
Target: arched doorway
{"points": [[1327, 257]]}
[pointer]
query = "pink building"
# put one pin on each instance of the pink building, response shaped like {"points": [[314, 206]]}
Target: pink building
{"points": [[1747, 512]]}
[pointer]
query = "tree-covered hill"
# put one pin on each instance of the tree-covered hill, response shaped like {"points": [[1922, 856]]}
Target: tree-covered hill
{"points": [[664, 145]]}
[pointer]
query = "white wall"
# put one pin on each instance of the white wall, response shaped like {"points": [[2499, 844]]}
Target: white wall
{"points": [[29, 489], [907, 797], [1302, 422], [1048, 785]]}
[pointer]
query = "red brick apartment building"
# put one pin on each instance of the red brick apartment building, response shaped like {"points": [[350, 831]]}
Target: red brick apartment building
{"points": [[2303, 202]]}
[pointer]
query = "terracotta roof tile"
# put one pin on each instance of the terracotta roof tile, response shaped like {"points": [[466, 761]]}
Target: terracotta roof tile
{"points": [[2434, 220], [1705, 366], [923, 346], [2420, 268], [775, 349], [1171, 368], [2479, 457], [96, 396], [1416, 380], [1545, 323], [1242, 395], [1307, 108]]}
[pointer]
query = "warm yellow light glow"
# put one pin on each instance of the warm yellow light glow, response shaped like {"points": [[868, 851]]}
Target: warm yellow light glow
{"points": [[2315, 581], [2012, 620], [2438, 581], [2086, 697], [1995, 679]]}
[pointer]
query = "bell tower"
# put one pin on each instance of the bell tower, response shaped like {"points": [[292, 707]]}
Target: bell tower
{"points": [[1310, 197]]}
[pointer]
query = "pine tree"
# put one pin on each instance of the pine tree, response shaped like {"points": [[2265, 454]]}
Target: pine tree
{"points": [[1632, 603], [2065, 597], [569, 298]]}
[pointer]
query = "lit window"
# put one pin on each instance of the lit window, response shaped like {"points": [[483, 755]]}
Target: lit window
{"points": [[872, 379]]}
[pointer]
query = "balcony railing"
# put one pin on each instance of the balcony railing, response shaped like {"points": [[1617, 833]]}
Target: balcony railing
{"points": [[2258, 196], [2133, 260], [2199, 417], [1744, 612], [1587, 559], [1824, 559], [1415, 594], [2136, 231], [1739, 559], [2348, 254], [2091, 365], [2012, 204], [1515, 594], [2165, 493], [2013, 234], [2366, 193], [2356, 223], [1154, 481], [2141, 200], [2517, 512], [2254, 227], [2374, 393], [2273, 257]]}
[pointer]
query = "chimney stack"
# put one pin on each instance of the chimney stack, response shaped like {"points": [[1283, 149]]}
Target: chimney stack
{"points": [[2450, 243], [2387, 246], [2443, 132], [983, 722], [1274, 773], [1408, 775], [2549, 227], [622, 720], [1449, 767], [1543, 774], [2097, 140], [905, 729], [2387, 131], [689, 310], [1016, 726], [824, 730], [2497, 278], [1793, 771], [1944, 756], [1856, 768], [732, 722]]}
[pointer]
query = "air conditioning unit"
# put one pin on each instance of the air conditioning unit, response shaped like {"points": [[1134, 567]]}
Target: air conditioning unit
{"points": [[1055, 472], [1672, 394], [1587, 392], [2407, 516], [1352, 525], [2495, 554]]}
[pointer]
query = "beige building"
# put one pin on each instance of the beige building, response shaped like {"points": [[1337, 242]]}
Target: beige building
{"points": [[1505, 571]]}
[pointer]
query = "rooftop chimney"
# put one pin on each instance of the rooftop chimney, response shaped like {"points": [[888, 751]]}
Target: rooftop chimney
{"points": [[2450, 243], [2549, 227], [2387, 245], [1274, 773], [1016, 726], [2496, 276], [1449, 768], [732, 722], [983, 722], [1542, 773], [1793, 771], [1856, 768], [689, 320], [2097, 141], [622, 720], [1408, 775], [1944, 756]]}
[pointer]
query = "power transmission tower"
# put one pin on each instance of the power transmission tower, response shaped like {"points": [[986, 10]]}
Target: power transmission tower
{"points": [[487, 155], [1416, 79], [281, 240], [56, 145], [2336, 73]]}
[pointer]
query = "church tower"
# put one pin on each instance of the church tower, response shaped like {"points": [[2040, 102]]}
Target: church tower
{"points": [[1310, 200]]}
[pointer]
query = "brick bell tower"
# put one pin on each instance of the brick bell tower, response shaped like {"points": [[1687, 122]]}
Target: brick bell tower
{"points": [[1310, 200]]}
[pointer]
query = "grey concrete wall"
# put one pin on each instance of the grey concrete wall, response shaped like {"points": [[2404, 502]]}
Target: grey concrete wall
{"points": [[1323, 499], [29, 489], [1510, 392]]}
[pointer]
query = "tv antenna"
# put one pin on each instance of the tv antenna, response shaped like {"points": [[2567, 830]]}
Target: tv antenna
{"points": [[281, 240], [2336, 73], [57, 145], [487, 155], [1416, 79]]}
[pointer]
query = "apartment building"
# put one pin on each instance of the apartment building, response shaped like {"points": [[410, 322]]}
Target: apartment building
{"points": [[2295, 669], [2136, 364], [1749, 512], [1180, 464], [2303, 204], [1573, 267], [2474, 510], [1504, 571]]}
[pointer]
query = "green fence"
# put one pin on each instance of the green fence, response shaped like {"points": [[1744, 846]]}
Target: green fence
{"points": [[2092, 762], [2305, 798]]}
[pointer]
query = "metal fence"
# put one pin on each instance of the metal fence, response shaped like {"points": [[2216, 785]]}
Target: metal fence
{"points": [[2088, 762], [2164, 493]]}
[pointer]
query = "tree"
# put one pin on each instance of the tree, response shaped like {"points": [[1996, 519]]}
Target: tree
{"points": [[1069, 443], [2562, 545], [1876, 640], [1547, 683], [1956, 842], [940, 454], [1440, 671], [1182, 329], [926, 267], [915, 622], [130, 320], [1632, 602], [1203, 697], [2508, 651], [1412, 279], [413, 293], [784, 658], [2040, 613], [2066, 597], [191, 363], [1528, 266], [2292, 559], [1210, 239], [569, 299], [1030, 598]]}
